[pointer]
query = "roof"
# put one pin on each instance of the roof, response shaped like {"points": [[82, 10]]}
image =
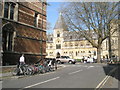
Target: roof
{"points": [[60, 23]]}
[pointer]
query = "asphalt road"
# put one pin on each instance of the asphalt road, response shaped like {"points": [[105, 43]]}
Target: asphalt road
{"points": [[69, 76]]}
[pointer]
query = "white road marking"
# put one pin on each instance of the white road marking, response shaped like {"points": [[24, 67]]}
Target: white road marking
{"points": [[90, 67], [102, 83], [75, 72], [41, 82]]}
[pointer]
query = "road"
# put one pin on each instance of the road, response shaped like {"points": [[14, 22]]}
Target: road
{"points": [[69, 76]]}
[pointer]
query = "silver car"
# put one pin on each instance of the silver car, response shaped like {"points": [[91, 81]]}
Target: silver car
{"points": [[65, 59]]}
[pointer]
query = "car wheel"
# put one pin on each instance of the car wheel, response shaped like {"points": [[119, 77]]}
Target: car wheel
{"points": [[70, 62], [59, 62]]}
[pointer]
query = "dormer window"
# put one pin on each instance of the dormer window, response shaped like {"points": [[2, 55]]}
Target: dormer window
{"points": [[70, 37], [51, 39]]}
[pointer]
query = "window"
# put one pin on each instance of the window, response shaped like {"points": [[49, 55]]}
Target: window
{"points": [[95, 53], [6, 10], [81, 45], [51, 46], [76, 53], [51, 39], [12, 12], [65, 45], [70, 37], [71, 44], [36, 19], [76, 44], [89, 51], [7, 37], [58, 35], [9, 10], [58, 46], [51, 53], [87, 44]]}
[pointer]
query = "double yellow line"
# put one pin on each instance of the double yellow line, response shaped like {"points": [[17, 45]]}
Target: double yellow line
{"points": [[102, 83]]}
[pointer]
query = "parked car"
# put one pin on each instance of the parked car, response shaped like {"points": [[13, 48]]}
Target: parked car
{"points": [[65, 59]]}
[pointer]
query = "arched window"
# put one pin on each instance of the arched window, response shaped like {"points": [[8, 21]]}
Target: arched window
{"points": [[70, 37], [58, 34], [58, 55], [7, 37], [58, 46]]}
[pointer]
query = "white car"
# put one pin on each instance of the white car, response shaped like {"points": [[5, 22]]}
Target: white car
{"points": [[65, 59]]}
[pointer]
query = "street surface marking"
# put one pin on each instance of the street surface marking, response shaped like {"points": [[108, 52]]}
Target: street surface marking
{"points": [[90, 67], [102, 83], [75, 72], [42, 82]]}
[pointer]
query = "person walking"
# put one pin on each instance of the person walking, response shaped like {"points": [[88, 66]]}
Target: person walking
{"points": [[22, 60]]}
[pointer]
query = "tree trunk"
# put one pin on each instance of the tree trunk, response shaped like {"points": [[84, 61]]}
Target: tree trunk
{"points": [[98, 54], [110, 50]]}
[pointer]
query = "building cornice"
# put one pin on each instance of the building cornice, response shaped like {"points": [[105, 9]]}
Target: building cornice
{"points": [[24, 24]]}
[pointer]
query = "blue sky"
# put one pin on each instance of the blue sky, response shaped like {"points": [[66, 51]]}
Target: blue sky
{"points": [[52, 14]]}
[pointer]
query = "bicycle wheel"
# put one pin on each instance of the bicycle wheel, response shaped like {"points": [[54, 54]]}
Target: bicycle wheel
{"points": [[29, 71], [16, 71], [25, 71]]}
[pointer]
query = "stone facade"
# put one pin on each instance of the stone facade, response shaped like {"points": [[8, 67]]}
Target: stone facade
{"points": [[70, 43], [23, 31]]}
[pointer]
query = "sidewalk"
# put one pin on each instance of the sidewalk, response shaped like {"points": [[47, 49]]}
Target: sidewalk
{"points": [[7, 74]]}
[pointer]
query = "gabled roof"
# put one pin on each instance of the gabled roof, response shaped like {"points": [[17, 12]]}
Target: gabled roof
{"points": [[60, 23]]}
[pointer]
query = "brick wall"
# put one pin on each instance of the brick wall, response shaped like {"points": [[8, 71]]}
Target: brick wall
{"points": [[28, 37]]}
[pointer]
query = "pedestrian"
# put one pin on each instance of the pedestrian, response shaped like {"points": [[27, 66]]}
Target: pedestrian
{"points": [[83, 59], [22, 60]]}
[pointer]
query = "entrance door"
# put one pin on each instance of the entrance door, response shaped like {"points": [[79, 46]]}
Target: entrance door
{"points": [[58, 55]]}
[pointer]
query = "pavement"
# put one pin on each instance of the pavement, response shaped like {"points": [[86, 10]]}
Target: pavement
{"points": [[5, 74], [9, 74]]}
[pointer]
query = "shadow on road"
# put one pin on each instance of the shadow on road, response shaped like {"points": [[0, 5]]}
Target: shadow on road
{"points": [[111, 71]]}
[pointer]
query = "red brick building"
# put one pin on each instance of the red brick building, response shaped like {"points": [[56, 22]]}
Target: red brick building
{"points": [[23, 31]]}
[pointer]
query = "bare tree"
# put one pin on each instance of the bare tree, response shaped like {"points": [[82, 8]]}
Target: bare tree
{"points": [[49, 27], [92, 19]]}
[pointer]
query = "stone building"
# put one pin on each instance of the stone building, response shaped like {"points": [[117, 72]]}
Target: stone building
{"points": [[23, 31], [69, 43]]}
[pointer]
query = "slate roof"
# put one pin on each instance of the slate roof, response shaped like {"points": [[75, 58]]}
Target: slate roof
{"points": [[60, 23]]}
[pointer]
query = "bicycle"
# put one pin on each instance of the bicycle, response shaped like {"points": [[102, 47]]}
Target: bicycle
{"points": [[22, 70]]}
